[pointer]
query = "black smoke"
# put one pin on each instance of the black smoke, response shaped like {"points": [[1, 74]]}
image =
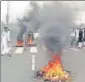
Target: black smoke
{"points": [[28, 22], [58, 19], [54, 21]]}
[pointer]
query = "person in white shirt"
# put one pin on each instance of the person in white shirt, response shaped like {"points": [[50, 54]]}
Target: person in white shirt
{"points": [[9, 35], [5, 38]]}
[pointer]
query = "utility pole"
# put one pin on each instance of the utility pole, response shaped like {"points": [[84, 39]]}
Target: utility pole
{"points": [[7, 14]]}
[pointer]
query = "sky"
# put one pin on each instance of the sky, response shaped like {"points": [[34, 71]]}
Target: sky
{"points": [[18, 8]]}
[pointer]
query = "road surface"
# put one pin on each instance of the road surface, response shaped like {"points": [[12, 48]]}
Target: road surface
{"points": [[18, 68]]}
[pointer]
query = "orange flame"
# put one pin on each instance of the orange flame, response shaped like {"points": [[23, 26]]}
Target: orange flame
{"points": [[30, 41], [19, 43], [54, 68]]}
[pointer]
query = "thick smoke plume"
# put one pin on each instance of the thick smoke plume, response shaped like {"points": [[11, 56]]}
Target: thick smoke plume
{"points": [[29, 21], [54, 21], [57, 18]]}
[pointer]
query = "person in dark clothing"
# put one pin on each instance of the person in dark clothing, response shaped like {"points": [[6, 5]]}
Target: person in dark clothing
{"points": [[31, 35], [30, 39], [84, 38], [80, 38], [80, 35], [84, 34]]}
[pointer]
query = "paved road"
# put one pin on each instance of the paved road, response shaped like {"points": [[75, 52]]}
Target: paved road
{"points": [[18, 68]]}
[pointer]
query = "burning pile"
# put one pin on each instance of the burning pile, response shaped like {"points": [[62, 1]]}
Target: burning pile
{"points": [[30, 41], [30, 38], [57, 19], [19, 43], [54, 71]]}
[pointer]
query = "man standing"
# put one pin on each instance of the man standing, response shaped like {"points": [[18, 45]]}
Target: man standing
{"points": [[30, 37], [84, 37], [73, 35], [9, 35], [5, 38], [77, 36], [80, 38]]}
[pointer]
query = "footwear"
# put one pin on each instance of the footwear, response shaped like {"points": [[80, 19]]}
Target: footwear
{"points": [[9, 55]]}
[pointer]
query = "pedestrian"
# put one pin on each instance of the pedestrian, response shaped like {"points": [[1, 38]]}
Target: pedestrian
{"points": [[72, 36], [84, 37], [77, 36], [9, 35], [80, 38], [30, 37], [5, 38]]}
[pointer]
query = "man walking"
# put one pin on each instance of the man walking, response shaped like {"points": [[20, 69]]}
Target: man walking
{"points": [[73, 35], [77, 36], [5, 38], [80, 38], [84, 37]]}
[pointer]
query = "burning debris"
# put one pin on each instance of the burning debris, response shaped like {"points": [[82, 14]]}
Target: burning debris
{"points": [[57, 18], [54, 21], [54, 71], [30, 38], [22, 30], [28, 22], [19, 43]]}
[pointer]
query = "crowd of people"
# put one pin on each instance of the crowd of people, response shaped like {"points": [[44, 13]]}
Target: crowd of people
{"points": [[77, 37]]}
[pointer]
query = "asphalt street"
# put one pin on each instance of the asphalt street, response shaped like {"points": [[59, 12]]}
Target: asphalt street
{"points": [[18, 67]]}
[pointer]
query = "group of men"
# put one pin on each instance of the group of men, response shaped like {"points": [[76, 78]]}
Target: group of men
{"points": [[78, 37], [5, 39]]}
